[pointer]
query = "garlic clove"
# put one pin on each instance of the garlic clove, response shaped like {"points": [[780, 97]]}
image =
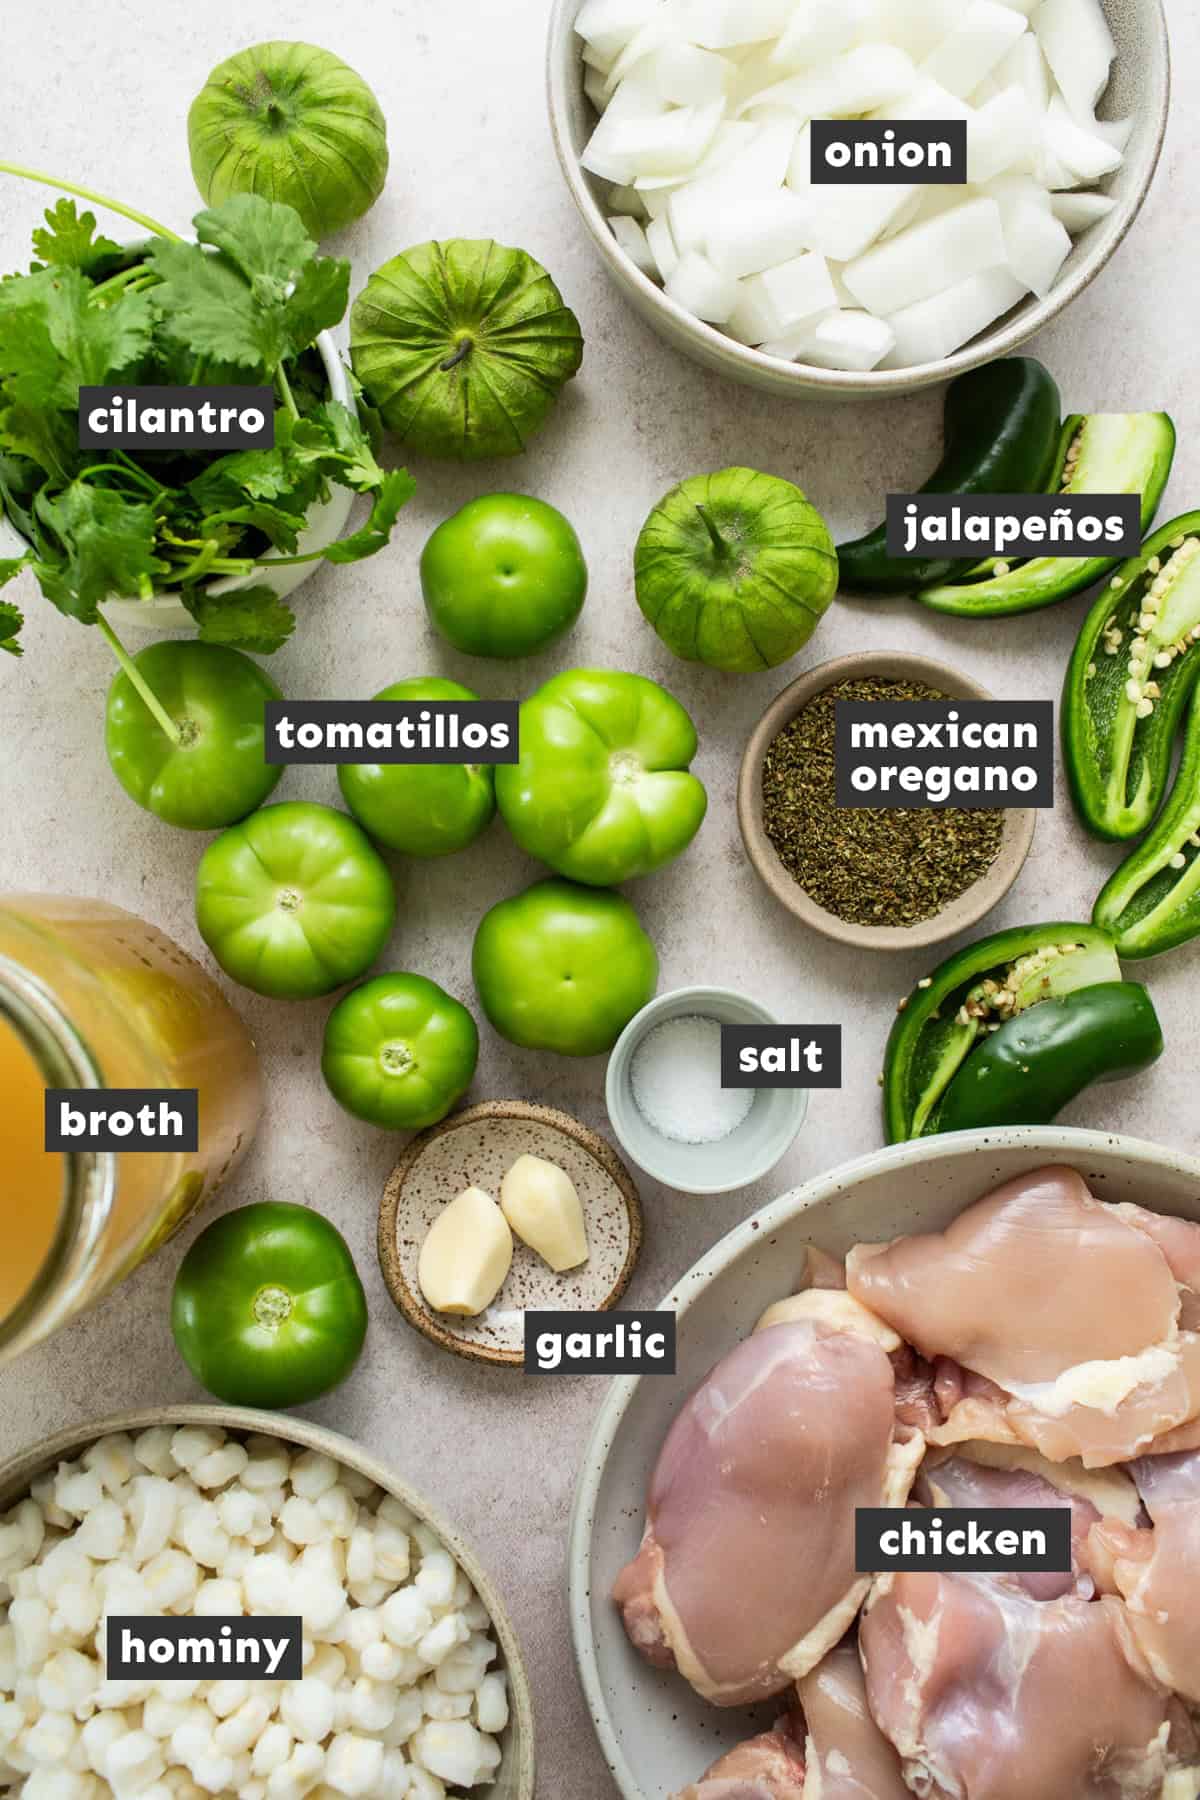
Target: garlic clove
{"points": [[540, 1203], [466, 1255]]}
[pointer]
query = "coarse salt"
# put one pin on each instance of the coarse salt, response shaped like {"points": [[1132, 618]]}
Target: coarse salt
{"points": [[676, 1080]]}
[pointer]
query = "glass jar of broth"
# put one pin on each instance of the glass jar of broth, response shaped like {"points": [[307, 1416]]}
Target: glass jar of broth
{"points": [[92, 997]]}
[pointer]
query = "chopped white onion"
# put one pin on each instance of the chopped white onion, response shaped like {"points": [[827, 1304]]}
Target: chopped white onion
{"points": [[632, 239], [928, 257], [937, 327], [704, 134], [1078, 211]]}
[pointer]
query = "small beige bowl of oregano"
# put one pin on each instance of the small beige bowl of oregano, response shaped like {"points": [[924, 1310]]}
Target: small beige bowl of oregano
{"points": [[881, 878]]}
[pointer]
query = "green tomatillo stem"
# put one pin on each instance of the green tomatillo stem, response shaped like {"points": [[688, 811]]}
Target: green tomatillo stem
{"points": [[135, 675], [719, 545], [460, 356], [82, 193]]}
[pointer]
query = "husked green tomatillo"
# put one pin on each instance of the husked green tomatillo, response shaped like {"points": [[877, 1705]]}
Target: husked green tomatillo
{"points": [[293, 123], [602, 790]]}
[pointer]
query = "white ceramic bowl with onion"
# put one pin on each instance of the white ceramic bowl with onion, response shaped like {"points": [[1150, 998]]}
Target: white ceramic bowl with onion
{"points": [[1138, 92]]}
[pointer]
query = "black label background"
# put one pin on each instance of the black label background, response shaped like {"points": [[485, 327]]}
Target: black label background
{"points": [[191, 397], [876, 131], [735, 1038], [110, 1100], [917, 712], [870, 1522], [1020, 506], [147, 1627], [565, 1324], [375, 712]]}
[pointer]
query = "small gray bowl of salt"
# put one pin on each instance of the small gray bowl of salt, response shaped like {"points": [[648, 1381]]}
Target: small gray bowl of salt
{"points": [[667, 1105]]}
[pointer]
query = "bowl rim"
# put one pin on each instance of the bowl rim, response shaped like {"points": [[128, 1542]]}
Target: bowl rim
{"points": [[16, 1472], [616, 1080], [409, 1305], [1064, 1142], [959, 914], [715, 347]]}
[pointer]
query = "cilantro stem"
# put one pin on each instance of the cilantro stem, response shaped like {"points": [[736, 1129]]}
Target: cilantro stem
{"points": [[131, 468], [82, 193], [120, 468], [135, 675], [285, 391], [121, 279]]}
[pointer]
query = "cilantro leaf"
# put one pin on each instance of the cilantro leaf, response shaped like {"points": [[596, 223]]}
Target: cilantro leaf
{"points": [[97, 545], [95, 342], [11, 619], [332, 439], [87, 345], [396, 490], [210, 308], [71, 243], [267, 243], [264, 239], [281, 527], [34, 391], [318, 301], [253, 618]]}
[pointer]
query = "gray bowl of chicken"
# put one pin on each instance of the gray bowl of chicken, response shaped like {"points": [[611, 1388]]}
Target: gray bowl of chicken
{"points": [[990, 1319]]}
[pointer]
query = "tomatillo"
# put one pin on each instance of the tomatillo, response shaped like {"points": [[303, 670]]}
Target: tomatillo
{"points": [[504, 576], [294, 901], [423, 809], [216, 772], [268, 1309], [735, 569], [399, 1051], [563, 968], [602, 791]]}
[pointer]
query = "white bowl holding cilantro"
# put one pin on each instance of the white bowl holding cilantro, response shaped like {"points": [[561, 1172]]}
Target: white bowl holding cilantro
{"points": [[172, 538], [326, 521]]}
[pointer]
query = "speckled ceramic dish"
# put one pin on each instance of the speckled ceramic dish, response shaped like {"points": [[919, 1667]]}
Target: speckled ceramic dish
{"points": [[1140, 89], [958, 915], [656, 1734], [515, 1777], [475, 1149]]}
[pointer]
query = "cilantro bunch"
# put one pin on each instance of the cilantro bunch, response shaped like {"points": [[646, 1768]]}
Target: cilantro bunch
{"points": [[242, 305]]}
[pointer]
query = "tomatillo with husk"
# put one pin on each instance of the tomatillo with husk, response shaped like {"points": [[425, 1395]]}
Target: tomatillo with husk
{"points": [[735, 569], [295, 124], [399, 1052], [268, 1309], [463, 347]]}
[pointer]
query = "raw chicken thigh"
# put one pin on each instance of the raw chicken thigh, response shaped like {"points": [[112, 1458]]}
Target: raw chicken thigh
{"points": [[830, 1748], [847, 1755], [987, 1475], [1041, 1352], [1065, 1314], [989, 1694], [1157, 1572], [766, 1465], [770, 1767]]}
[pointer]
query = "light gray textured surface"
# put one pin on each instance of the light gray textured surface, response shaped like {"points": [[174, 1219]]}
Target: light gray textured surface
{"points": [[100, 94]]}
